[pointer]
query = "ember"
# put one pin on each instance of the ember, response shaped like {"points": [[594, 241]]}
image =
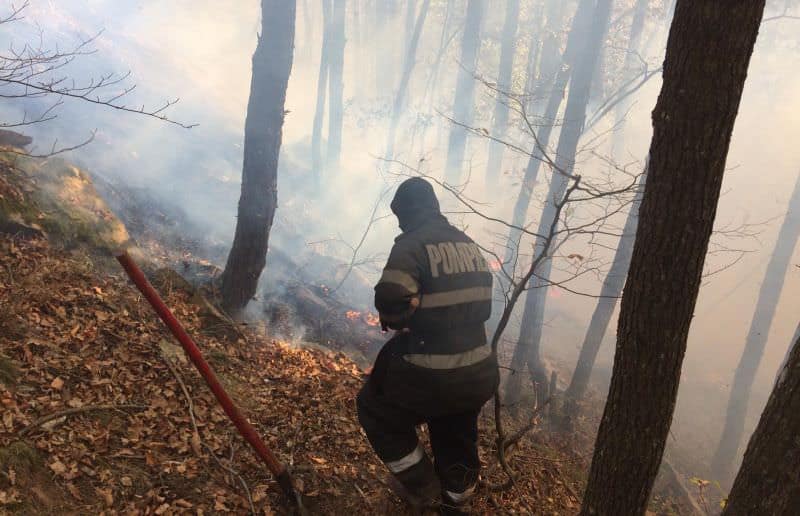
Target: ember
{"points": [[368, 318], [372, 319]]}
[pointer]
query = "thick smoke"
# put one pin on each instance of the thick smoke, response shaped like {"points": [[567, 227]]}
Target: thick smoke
{"points": [[200, 51]]}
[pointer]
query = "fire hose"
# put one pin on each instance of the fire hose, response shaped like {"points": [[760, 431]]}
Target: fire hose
{"points": [[244, 427]]}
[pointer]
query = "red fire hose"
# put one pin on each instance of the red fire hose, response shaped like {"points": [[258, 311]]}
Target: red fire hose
{"points": [[247, 431]]}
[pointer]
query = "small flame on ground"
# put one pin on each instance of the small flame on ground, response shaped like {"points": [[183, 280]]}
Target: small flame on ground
{"points": [[368, 318], [372, 319]]}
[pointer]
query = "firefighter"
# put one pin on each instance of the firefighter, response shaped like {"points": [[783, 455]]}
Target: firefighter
{"points": [[438, 369]]}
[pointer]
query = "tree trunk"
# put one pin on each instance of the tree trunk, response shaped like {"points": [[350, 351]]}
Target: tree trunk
{"points": [[384, 41], [508, 48], [708, 52], [408, 67], [551, 60], [769, 479], [725, 457], [432, 84], [463, 108], [322, 86], [586, 37], [336, 84], [535, 48], [555, 74], [788, 351], [272, 64], [408, 29], [630, 64], [357, 48], [308, 33], [611, 290]]}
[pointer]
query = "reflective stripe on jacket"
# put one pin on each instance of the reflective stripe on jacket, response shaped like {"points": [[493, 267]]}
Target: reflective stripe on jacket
{"points": [[445, 270]]}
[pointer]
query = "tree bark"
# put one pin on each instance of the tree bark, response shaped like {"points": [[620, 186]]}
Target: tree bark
{"points": [[788, 351], [463, 108], [408, 67], [708, 53], [272, 64], [769, 479], [336, 84], [609, 293], [595, 16], [727, 452], [508, 48], [322, 87]]}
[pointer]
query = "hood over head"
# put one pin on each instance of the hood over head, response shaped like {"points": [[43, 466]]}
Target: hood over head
{"points": [[414, 203]]}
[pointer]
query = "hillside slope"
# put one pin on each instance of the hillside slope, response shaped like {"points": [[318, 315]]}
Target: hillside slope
{"points": [[102, 413], [72, 337]]}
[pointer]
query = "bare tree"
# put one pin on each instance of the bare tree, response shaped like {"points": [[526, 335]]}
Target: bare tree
{"points": [[601, 317], [769, 480], [726, 454], [630, 62], [554, 77], [527, 349], [508, 48], [38, 75], [463, 108], [272, 65], [336, 83], [708, 53], [408, 67], [322, 86]]}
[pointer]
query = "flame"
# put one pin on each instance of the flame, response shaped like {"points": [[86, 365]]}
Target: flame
{"points": [[372, 319], [495, 265], [367, 318]]}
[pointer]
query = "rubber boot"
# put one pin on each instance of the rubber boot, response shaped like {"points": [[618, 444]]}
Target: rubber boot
{"points": [[456, 506], [418, 485]]}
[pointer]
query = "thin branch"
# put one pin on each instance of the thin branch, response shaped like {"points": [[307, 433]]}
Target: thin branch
{"points": [[196, 431], [73, 411]]}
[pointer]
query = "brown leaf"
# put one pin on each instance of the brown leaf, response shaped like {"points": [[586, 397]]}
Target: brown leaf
{"points": [[107, 495], [74, 491], [58, 467], [57, 383]]}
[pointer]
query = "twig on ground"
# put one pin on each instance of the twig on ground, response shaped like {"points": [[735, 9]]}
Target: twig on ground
{"points": [[196, 431], [71, 412], [514, 439]]}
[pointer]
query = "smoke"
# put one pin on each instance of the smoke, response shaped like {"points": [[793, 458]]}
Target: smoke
{"points": [[200, 51]]}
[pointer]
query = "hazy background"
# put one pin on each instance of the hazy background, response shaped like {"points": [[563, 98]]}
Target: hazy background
{"points": [[200, 51]]}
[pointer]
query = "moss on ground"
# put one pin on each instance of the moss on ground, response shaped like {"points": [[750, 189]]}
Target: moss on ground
{"points": [[59, 199]]}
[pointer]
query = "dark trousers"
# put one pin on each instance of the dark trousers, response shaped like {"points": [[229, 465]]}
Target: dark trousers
{"points": [[399, 396], [391, 429]]}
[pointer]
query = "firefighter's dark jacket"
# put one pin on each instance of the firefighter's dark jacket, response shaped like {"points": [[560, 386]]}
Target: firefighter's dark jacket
{"points": [[444, 270]]}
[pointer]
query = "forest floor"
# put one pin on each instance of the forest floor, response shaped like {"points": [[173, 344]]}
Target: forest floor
{"points": [[103, 414], [80, 347]]}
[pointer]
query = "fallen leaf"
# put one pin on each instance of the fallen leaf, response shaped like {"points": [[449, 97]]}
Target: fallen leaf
{"points": [[58, 467]]}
